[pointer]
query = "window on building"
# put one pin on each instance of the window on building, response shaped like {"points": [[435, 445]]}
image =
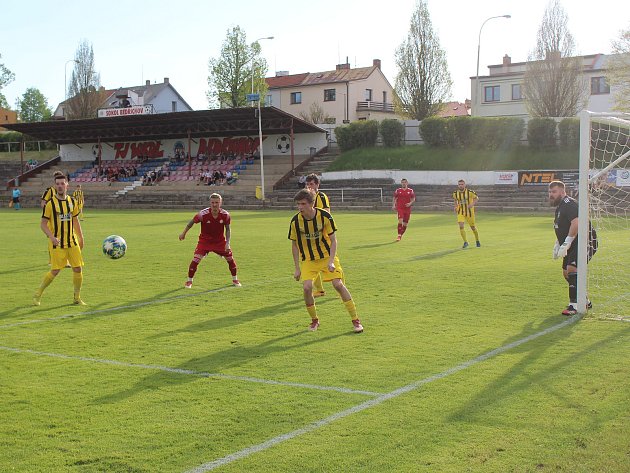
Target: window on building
{"points": [[296, 97], [517, 92], [173, 106], [368, 95], [492, 93], [599, 86], [330, 95]]}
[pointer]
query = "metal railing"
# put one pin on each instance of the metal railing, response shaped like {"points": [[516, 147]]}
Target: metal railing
{"points": [[375, 106], [361, 191], [14, 146]]}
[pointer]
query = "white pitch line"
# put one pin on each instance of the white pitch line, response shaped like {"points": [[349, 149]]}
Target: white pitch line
{"points": [[201, 374], [373, 402]]}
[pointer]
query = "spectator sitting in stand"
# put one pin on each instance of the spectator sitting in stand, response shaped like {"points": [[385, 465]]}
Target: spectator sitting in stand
{"points": [[302, 182]]}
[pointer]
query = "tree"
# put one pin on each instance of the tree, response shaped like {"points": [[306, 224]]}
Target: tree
{"points": [[423, 81], [316, 114], [554, 85], [85, 90], [34, 106], [618, 75], [230, 78], [6, 77]]}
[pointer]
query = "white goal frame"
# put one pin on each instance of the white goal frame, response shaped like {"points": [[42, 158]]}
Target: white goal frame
{"points": [[586, 118]]}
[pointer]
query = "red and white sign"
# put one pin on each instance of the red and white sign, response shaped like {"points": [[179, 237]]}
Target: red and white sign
{"points": [[123, 112], [506, 177]]}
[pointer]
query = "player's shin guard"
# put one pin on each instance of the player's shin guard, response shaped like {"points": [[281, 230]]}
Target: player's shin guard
{"points": [[403, 229], [231, 264], [572, 280], [400, 229], [77, 282], [463, 234], [48, 278], [192, 269], [351, 308]]}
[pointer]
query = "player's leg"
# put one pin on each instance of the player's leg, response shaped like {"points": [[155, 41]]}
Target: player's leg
{"points": [[229, 257], [570, 275], [58, 259], [462, 230], [400, 225], [75, 259], [199, 254], [318, 286], [473, 227], [405, 221], [348, 302], [310, 270]]}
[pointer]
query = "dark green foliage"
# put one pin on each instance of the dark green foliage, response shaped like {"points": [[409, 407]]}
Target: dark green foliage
{"points": [[541, 133], [467, 132], [392, 133], [361, 134], [569, 131]]}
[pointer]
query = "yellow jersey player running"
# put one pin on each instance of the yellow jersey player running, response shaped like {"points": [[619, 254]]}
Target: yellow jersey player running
{"points": [[321, 202], [314, 247], [60, 224], [465, 201]]}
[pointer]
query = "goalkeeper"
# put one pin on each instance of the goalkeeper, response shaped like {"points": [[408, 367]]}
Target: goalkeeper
{"points": [[565, 225]]}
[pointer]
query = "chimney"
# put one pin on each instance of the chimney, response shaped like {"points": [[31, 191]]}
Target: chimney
{"points": [[507, 60], [341, 67], [148, 82], [376, 63], [166, 80]]}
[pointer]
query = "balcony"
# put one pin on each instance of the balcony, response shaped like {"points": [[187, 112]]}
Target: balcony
{"points": [[375, 107]]}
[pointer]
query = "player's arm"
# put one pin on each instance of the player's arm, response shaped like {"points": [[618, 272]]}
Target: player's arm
{"points": [[228, 234], [296, 260], [564, 247], [44, 226], [474, 202], [189, 225], [394, 202], [333, 252], [413, 199], [78, 230]]}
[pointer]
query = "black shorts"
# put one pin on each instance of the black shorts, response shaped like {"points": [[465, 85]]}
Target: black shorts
{"points": [[571, 258], [16, 200]]}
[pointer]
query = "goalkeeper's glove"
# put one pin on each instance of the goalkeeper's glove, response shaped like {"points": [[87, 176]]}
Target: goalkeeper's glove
{"points": [[556, 247], [564, 248]]}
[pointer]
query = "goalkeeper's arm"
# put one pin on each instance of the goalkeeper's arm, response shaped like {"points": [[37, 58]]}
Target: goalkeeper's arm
{"points": [[564, 248]]}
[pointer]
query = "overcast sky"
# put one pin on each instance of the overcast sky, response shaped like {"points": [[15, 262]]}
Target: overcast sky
{"points": [[142, 40]]}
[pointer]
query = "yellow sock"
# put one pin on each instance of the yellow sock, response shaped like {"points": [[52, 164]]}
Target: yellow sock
{"points": [[77, 282], [312, 311], [463, 233], [48, 278], [351, 308], [476, 234]]}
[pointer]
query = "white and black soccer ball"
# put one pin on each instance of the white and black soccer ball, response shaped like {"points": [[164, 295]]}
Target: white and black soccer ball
{"points": [[283, 143]]}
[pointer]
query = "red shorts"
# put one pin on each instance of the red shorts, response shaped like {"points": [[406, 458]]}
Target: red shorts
{"points": [[404, 214], [218, 248]]}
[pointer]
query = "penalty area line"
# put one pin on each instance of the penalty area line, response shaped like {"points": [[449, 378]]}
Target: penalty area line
{"points": [[184, 371], [246, 452]]}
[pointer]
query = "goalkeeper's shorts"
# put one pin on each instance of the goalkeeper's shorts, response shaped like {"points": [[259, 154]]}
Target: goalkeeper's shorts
{"points": [[572, 255]]}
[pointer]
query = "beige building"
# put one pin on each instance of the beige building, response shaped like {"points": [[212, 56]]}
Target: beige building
{"points": [[7, 117], [344, 95], [500, 94]]}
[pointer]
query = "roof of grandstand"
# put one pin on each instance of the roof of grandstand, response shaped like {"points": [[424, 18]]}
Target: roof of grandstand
{"points": [[202, 123]]}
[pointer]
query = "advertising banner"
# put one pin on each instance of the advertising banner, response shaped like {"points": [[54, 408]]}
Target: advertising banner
{"points": [[543, 178], [506, 177], [123, 112]]}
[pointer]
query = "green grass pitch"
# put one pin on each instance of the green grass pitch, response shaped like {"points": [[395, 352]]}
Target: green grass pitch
{"points": [[152, 377]]}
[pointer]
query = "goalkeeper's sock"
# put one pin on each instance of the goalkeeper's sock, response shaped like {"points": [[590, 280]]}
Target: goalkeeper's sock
{"points": [[48, 278], [77, 282], [572, 279], [312, 311], [463, 234], [474, 230], [351, 308]]}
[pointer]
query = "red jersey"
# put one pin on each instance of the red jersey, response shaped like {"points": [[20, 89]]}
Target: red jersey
{"points": [[212, 229], [403, 196]]}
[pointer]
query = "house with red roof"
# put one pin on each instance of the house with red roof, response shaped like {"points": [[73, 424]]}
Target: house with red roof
{"points": [[343, 94]]}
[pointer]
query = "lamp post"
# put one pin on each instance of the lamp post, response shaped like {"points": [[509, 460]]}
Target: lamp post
{"points": [[477, 86], [252, 61], [65, 77]]}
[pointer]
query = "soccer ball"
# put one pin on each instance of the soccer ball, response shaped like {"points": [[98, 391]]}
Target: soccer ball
{"points": [[283, 144], [114, 246]]}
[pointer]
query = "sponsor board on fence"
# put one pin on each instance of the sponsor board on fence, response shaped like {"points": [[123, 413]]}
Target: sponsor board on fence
{"points": [[506, 177], [543, 178]]}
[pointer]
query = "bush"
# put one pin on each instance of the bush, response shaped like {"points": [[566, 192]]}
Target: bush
{"points": [[361, 134], [569, 131], [541, 133], [433, 131], [392, 133], [468, 132]]}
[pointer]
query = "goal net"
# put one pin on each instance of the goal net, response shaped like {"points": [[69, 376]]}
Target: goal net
{"points": [[604, 197]]}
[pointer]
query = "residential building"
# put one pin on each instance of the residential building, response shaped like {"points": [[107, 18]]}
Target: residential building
{"points": [[344, 95], [7, 117], [501, 94], [159, 98], [455, 109]]}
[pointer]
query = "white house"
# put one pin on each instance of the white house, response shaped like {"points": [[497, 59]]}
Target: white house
{"points": [[500, 94]]}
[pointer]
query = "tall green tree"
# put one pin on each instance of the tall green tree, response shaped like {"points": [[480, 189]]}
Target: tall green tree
{"points": [[230, 74], [618, 75], [554, 85], [85, 85], [6, 77], [423, 82], [34, 106]]}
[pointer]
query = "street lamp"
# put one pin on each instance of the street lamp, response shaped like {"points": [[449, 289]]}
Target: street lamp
{"points": [[477, 86], [252, 61], [65, 77]]}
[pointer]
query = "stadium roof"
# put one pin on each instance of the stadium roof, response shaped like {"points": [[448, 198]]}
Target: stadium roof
{"points": [[202, 123]]}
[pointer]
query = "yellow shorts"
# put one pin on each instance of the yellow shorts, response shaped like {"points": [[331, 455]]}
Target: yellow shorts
{"points": [[463, 218], [310, 270], [59, 257]]}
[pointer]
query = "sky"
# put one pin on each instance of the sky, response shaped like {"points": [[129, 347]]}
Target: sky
{"points": [[141, 40]]}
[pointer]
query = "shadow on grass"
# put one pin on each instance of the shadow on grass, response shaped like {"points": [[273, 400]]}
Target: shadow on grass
{"points": [[38, 267], [373, 245], [220, 361], [435, 255]]}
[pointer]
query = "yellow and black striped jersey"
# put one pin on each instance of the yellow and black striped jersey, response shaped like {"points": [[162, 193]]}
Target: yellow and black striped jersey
{"points": [[59, 213], [321, 200], [78, 196], [312, 236], [48, 193], [463, 201]]}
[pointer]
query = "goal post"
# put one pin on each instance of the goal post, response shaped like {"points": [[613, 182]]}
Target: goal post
{"points": [[604, 200]]}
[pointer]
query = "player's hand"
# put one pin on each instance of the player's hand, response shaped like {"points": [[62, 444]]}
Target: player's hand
{"points": [[297, 274], [408, 204], [182, 236], [55, 241], [394, 209], [331, 267], [556, 247], [563, 250], [227, 247]]}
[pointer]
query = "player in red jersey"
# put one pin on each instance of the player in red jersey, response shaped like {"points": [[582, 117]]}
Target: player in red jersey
{"points": [[403, 200], [214, 237]]}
